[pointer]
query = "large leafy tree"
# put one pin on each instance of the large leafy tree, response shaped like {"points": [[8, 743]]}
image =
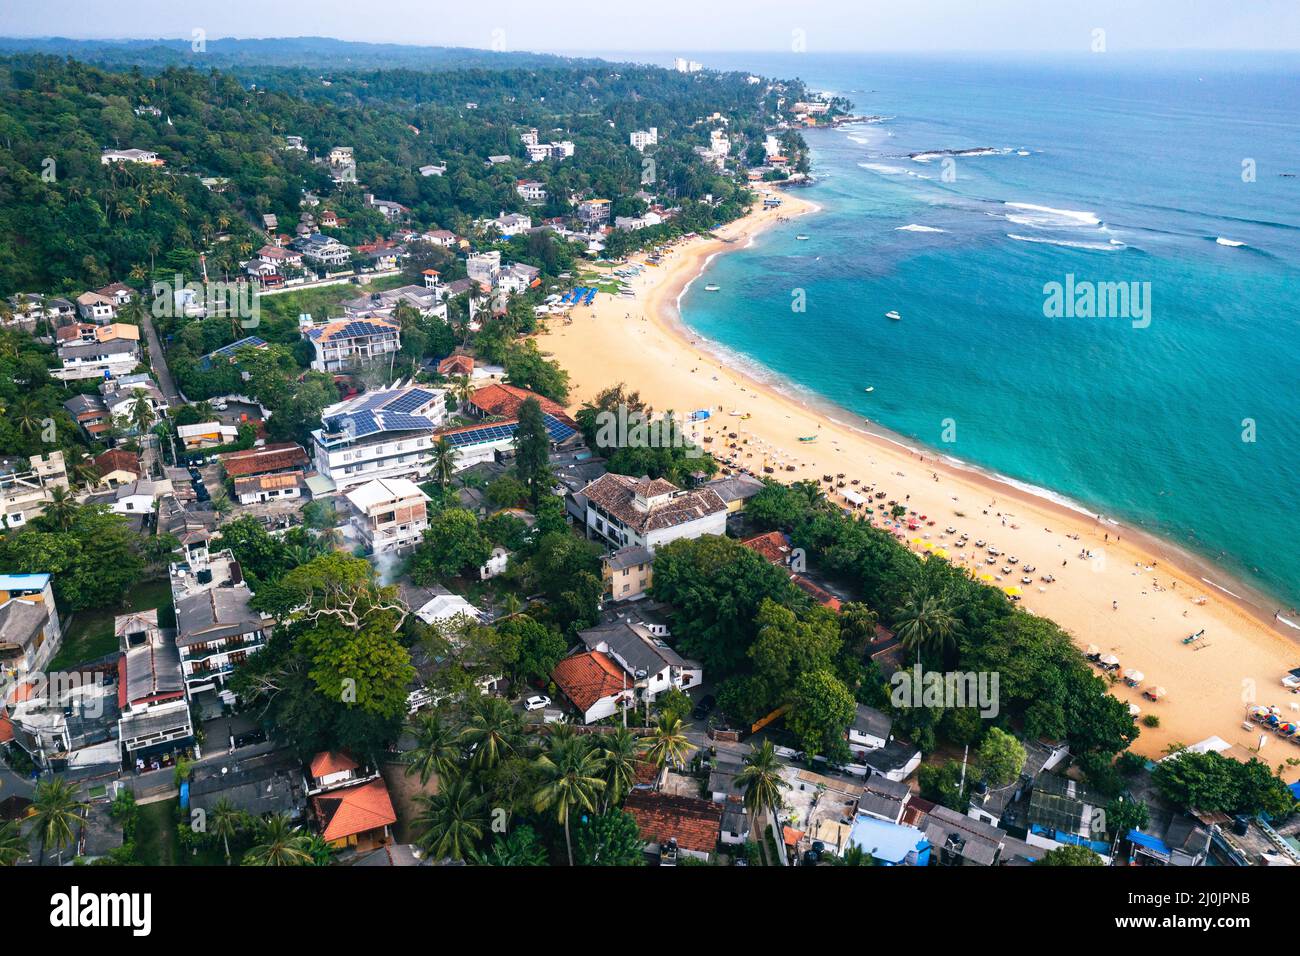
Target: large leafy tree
{"points": [[1000, 757], [532, 451], [611, 839], [452, 544], [716, 586], [821, 711]]}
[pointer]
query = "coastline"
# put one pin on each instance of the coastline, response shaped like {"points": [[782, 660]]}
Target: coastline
{"points": [[1187, 592]]}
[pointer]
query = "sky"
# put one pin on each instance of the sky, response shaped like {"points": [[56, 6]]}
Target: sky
{"points": [[611, 26]]}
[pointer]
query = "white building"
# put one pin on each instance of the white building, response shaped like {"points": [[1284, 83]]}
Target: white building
{"points": [[642, 138], [146, 156], [650, 512], [29, 624], [345, 344], [386, 433], [389, 514], [24, 494], [531, 190]]}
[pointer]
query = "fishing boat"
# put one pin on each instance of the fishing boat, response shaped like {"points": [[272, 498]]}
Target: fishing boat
{"points": [[802, 238], [893, 315], [712, 288], [870, 388], [807, 438]]}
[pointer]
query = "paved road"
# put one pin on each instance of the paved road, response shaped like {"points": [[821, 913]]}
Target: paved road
{"points": [[158, 361]]}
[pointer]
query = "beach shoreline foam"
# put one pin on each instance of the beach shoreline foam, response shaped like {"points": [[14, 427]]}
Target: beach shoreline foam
{"points": [[1161, 590]]}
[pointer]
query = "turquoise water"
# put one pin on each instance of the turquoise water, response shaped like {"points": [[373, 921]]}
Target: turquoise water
{"points": [[1124, 170]]}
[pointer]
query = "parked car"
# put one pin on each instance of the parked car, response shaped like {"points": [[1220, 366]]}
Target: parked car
{"points": [[704, 707], [537, 702]]}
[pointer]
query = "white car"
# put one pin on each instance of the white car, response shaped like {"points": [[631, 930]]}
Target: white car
{"points": [[537, 702]]}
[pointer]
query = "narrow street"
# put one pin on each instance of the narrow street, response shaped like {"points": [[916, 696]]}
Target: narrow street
{"points": [[158, 362]]}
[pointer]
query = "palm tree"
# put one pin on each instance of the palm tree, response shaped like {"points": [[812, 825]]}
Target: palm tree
{"points": [[221, 506], [436, 748], [13, 845], [510, 606], [927, 619], [226, 823], [620, 755], [760, 779], [56, 813], [492, 731], [61, 509], [444, 461], [451, 821], [27, 416], [571, 780], [667, 742], [142, 414], [280, 843]]}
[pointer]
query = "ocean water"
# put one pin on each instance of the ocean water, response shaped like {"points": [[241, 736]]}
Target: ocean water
{"points": [[1182, 417]]}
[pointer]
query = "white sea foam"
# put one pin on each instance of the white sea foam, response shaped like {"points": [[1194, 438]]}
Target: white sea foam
{"points": [[913, 227], [1047, 217], [1111, 246], [884, 169]]}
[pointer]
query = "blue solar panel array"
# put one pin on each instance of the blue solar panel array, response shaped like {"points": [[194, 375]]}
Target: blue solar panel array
{"points": [[251, 341], [409, 402], [556, 429]]}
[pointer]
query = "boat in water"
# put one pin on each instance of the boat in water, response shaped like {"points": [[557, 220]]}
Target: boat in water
{"points": [[870, 388], [712, 288], [893, 315], [802, 238]]}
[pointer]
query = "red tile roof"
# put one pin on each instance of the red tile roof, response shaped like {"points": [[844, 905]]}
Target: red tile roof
{"points": [[117, 460], [456, 365], [6, 730], [504, 400], [352, 810], [772, 546], [260, 461], [818, 594], [331, 761], [694, 823], [588, 678]]}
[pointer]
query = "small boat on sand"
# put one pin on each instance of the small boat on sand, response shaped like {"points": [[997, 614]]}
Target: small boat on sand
{"points": [[807, 438], [893, 315]]}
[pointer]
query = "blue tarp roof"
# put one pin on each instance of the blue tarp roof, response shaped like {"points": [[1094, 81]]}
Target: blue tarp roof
{"points": [[1148, 841]]}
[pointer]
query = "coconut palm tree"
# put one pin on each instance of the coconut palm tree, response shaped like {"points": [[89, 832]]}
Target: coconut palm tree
{"points": [[436, 749], [666, 743], [620, 754], [142, 413], [492, 731], [226, 823], [450, 821], [27, 416], [444, 461], [56, 813], [571, 780], [221, 506], [927, 619], [280, 843], [13, 845], [760, 779], [61, 509]]}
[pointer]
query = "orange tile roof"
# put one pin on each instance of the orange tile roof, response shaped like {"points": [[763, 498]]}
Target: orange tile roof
{"points": [[772, 546], [116, 459], [588, 678], [6, 730], [268, 458], [352, 810], [331, 761], [817, 593], [505, 400], [694, 823], [458, 364]]}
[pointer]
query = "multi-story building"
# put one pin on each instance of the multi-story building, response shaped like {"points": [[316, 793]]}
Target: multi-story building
{"points": [[324, 250], [530, 190], [29, 624], [117, 356], [594, 212], [25, 493], [216, 628], [146, 156], [650, 512], [345, 344], [389, 514], [155, 718], [386, 433], [642, 138]]}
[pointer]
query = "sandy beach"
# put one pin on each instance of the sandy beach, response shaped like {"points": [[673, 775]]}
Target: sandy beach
{"points": [[1125, 592]]}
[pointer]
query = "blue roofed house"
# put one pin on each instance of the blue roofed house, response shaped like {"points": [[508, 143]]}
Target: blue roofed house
{"points": [[889, 844], [1065, 813]]}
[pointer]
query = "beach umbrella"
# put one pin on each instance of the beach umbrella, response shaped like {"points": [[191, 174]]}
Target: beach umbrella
{"points": [[1133, 675], [1155, 693], [941, 552], [1092, 649], [1110, 660], [1134, 710], [1013, 591]]}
